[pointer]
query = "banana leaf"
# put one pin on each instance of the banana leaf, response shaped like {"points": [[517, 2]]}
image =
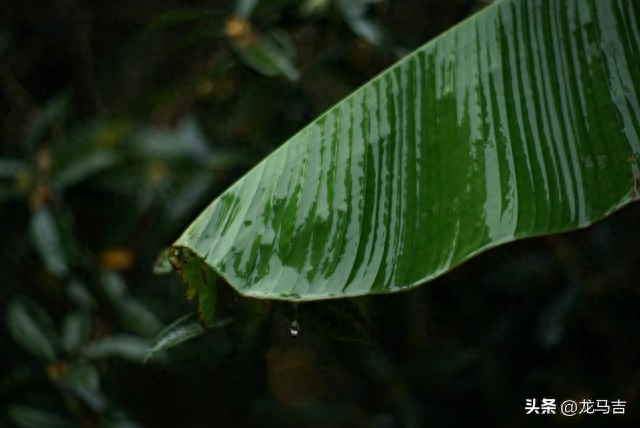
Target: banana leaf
{"points": [[521, 121]]}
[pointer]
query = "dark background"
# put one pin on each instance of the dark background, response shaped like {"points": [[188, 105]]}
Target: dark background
{"points": [[120, 121]]}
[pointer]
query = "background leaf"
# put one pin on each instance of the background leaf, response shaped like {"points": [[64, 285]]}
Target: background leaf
{"points": [[83, 379], [48, 116], [31, 327], [47, 240], [81, 165], [15, 177], [270, 54], [133, 313], [181, 330], [75, 330], [34, 417], [124, 346]]}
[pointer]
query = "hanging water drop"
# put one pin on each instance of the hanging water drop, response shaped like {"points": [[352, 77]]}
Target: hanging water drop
{"points": [[294, 329]]}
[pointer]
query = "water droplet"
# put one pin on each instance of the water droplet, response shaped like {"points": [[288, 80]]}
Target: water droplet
{"points": [[175, 258], [294, 330]]}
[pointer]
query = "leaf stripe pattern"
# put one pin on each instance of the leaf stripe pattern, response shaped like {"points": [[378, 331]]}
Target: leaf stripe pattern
{"points": [[521, 121]]}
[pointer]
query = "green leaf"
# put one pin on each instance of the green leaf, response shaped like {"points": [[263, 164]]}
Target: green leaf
{"points": [[75, 330], [81, 166], [113, 286], [354, 13], [244, 8], [370, 30], [32, 328], [45, 235], [199, 279], [31, 417], [270, 54], [207, 296], [137, 317], [181, 330], [83, 379], [82, 374], [133, 313], [124, 346], [311, 7], [521, 121], [10, 168], [79, 294], [52, 112], [15, 178], [185, 141]]}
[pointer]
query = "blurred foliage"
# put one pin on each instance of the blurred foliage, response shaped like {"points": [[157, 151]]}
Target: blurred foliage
{"points": [[120, 121]]}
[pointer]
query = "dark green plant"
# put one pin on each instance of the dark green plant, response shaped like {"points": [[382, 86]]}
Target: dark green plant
{"points": [[87, 314], [519, 122], [120, 121]]}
